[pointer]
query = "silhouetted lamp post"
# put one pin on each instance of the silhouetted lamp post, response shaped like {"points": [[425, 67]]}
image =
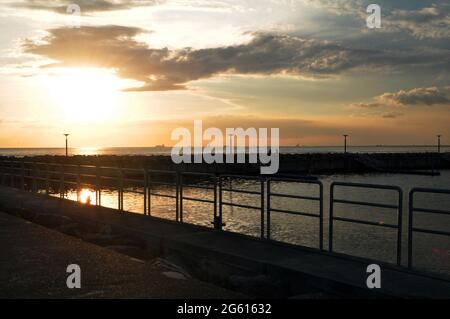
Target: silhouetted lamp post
{"points": [[439, 143], [67, 144], [345, 142]]}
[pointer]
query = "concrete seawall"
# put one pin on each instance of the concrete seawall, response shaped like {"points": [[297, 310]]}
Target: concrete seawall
{"points": [[248, 265], [289, 163]]}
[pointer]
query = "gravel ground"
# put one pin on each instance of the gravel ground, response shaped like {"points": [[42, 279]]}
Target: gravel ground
{"points": [[34, 259]]}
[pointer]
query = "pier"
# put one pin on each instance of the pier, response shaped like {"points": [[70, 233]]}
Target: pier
{"points": [[255, 266]]}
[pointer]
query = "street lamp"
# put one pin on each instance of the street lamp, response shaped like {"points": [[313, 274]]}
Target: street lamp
{"points": [[439, 143], [67, 144], [345, 142]]}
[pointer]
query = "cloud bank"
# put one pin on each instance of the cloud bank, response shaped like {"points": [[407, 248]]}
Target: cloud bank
{"points": [[162, 69]]}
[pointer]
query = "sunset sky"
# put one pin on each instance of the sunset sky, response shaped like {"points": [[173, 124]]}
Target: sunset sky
{"points": [[135, 70]]}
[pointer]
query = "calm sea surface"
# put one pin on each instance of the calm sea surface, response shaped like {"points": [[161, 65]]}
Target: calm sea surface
{"points": [[167, 150]]}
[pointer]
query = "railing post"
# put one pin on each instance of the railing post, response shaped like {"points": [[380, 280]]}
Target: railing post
{"points": [[61, 186], [180, 185], [262, 208], [321, 219], [215, 200], [33, 172], [399, 225], [145, 191], [330, 235], [47, 177], [177, 208], [78, 182], [98, 197], [121, 190], [2, 169], [12, 174], [268, 208], [410, 228], [218, 220], [149, 197], [22, 176]]}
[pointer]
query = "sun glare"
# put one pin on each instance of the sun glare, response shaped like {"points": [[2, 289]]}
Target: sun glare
{"points": [[87, 196], [85, 95]]}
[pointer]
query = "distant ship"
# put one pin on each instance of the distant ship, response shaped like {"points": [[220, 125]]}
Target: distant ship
{"points": [[161, 147]]}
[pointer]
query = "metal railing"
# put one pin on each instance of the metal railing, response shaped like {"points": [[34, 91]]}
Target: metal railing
{"points": [[152, 181], [398, 207], [212, 188], [413, 209], [318, 198], [54, 178], [241, 191]]}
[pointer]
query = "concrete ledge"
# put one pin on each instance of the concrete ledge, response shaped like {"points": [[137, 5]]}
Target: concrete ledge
{"points": [[229, 258]]}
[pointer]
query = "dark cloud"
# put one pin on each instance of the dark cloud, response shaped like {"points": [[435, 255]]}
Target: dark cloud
{"points": [[60, 6], [418, 96], [367, 105], [392, 115], [405, 98], [427, 22], [163, 69]]}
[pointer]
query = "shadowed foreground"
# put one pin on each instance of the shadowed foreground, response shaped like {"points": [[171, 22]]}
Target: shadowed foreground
{"points": [[34, 259]]}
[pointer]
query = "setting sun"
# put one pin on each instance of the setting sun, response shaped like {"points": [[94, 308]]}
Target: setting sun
{"points": [[85, 95]]}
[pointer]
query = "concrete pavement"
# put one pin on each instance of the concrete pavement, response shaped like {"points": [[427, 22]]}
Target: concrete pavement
{"points": [[33, 263]]}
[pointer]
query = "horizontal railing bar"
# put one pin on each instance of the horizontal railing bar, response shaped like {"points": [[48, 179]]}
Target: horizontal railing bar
{"points": [[431, 211], [364, 222], [295, 196], [163, 195], [290, 212], [247, 177], [109, 177], [430, 190], [240, 205], [133, 191], [199, 200], [197, 186], [241, 191], [162, 183], [363, 185], [352, 202], [295, 180], [430, 231]]}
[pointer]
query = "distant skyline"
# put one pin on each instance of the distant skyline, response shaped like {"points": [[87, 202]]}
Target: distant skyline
{"points": [[136, 70]]}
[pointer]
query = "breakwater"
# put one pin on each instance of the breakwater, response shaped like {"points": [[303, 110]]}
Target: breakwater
{"points": [[298, 164]]}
